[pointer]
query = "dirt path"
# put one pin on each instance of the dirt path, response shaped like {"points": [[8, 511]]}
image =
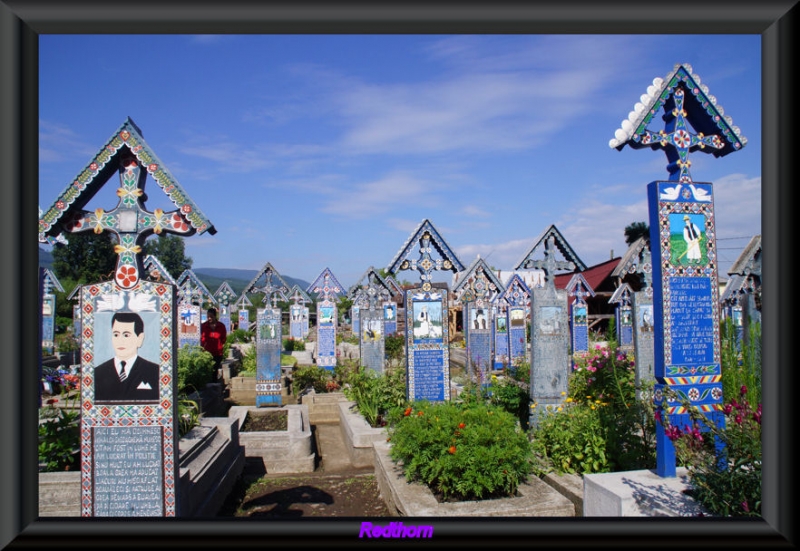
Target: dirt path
{"points": [[317, 494]]}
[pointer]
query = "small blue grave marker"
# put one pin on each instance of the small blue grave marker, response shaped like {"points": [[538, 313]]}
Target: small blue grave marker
{"points": [[269, 338], [427, 328], [517, 295], [578, 288], [327, 288], [477, 289]]}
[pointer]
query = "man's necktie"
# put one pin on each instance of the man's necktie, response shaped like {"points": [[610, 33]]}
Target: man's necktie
{"points": [[122, 374]]}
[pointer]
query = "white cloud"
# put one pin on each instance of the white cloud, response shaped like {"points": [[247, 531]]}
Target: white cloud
{"points": [[377, 197]]}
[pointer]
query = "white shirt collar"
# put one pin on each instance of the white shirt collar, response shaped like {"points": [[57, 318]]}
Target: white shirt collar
{"points": [[128, 364]]}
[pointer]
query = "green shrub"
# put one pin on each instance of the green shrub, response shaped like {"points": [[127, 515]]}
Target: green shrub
{"points": [[511, 395], [291, 344], [188, 415], [741, 361], [239, 336], [311, 376], [59, 436], [376, 394], [461, 451], [394, 348], [249, 363], [66, 342], [570, 439], [605, 378], [195, 368]]}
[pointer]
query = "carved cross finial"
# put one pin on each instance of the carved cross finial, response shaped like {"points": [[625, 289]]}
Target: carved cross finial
{"points": [[130, 222], [676, 140], [549, 265]]}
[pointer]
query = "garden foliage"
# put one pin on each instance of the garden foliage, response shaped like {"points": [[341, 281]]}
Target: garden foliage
{"points": [[376, 394], [467, 450], [195, 368]]}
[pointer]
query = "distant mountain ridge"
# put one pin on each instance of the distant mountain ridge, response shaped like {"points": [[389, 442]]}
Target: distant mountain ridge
{"points": [[211, 277], [238, 278]]}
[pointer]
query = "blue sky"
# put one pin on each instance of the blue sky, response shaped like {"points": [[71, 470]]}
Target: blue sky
{"points": [[326, 151]]}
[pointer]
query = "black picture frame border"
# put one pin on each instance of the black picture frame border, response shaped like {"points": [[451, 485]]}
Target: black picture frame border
{"points": [[22, 21]]}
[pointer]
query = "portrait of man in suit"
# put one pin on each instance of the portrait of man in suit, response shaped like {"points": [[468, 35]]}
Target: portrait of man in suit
{"points": [[126, 377]]}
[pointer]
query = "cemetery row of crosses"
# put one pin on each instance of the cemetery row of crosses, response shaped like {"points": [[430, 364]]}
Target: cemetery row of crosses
{"points": [[662, 297]]}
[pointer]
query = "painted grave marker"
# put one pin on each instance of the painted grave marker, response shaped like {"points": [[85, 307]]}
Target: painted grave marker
{"points": [[129, 452], [622, 297], [224, 296], [241, 305], [517, 296], [298, 313], [390, 307], [684, 252], [741, 298], [427, 331], [48, 281], [550, 362], [327, 288], [269, 338], [637, 261], [477, 289], [371, 291], [193, 295], [578, 288]]}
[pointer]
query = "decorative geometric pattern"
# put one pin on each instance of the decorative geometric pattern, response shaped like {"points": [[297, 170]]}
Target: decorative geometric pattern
{"points": [[552, 238], [127, 415], [225, 294], [298, 296], [429, 240], [326, 286], [685, 100], [192, 290], [269, 282], [242, 302], [549, 265], [516, 292], [370, 289], [481, 280], [127, 153]]}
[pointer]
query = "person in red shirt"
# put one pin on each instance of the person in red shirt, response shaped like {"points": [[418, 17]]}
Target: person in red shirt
{"points": [[212, 338]]}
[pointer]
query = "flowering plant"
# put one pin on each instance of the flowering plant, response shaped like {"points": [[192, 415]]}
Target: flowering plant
{"points": [[724, 462], [467, 450], [59, 433], [604, 380]]}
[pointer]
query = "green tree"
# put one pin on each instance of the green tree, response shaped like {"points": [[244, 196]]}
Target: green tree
{"points": [[170, 250], [636, 230], [87, 258]]}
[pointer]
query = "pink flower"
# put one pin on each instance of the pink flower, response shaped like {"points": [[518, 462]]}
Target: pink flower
{"points": [[743, 390]]}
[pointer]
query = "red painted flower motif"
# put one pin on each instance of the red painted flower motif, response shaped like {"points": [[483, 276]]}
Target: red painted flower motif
{"points": [[124, 135], [126, 276], [682, 138], [153, 167], [60, 205], [178, 223], [186, 209], [93, 166]]}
